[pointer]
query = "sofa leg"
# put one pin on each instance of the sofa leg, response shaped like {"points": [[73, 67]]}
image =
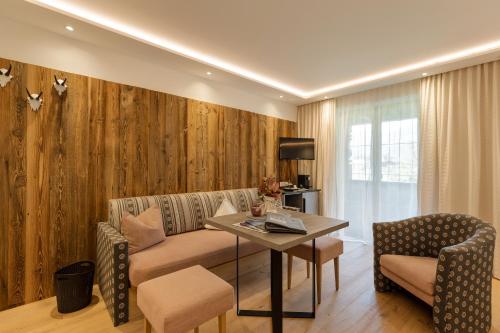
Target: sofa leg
{"points": [[196, 330], [337, 275], [222, 323], [289, 270], [147, 326]]}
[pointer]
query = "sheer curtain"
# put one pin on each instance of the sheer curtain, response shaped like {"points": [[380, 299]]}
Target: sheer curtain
{"points": [[377, 156], [460, 149], [317, 120]]}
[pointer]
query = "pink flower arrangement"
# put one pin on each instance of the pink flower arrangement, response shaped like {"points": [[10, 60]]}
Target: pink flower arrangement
{"points": [[269, 187]]}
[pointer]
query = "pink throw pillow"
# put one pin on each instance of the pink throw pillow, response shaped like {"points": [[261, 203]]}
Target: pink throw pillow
{"points": [[144, 230]]}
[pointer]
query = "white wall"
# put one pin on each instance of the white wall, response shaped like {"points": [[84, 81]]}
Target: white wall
{"points": [[26, 43]]}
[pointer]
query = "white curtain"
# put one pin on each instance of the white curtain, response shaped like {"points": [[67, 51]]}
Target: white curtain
{"points": [[460, 146], [377, 157], [317, 120]]}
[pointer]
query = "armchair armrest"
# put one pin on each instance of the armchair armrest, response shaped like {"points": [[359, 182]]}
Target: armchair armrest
{"points": [[464, 275], [112, 271]]}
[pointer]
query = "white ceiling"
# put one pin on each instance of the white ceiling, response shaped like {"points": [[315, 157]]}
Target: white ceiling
{"points": [[304, 45]]}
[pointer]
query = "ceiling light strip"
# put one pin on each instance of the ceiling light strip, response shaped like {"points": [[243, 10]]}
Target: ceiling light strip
{"points": [[467, 53], [142, 36]]}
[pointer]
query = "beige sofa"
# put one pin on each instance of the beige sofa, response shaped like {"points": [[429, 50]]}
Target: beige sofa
{"points": [[188, 243]]}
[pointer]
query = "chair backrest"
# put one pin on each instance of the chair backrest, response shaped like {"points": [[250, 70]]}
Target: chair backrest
{"points": [[443, 230], [181, 212]]}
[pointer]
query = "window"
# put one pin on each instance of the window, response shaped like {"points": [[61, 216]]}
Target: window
{"points": [[360, 152], [376, 162], [399, 148], [398, 151]]}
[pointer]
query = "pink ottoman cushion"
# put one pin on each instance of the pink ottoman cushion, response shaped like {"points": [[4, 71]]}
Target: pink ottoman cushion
{"points": [[183, 300]]}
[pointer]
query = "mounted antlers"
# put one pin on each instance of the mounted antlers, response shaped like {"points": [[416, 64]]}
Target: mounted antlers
{"points": [[5, 76], [60, 85], [34, 100]]}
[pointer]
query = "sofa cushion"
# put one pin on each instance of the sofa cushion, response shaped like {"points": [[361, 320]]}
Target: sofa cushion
{"points": [[225, 208], [144, 230], [416, 274], [203, 247], [181, 212]]}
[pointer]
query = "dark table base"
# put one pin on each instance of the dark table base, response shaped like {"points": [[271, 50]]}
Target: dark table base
{"points": [[286, 314], [277, 314]]}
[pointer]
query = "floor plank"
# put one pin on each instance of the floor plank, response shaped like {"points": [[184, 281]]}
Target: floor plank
{"points": [[356, 307]]}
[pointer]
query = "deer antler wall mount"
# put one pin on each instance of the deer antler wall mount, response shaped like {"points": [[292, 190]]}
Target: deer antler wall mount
{"points": [[5, 76], [34, 100], [60, 85]]}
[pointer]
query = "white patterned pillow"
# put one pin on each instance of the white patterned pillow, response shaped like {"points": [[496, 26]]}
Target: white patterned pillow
{"points": [[225, 208]]}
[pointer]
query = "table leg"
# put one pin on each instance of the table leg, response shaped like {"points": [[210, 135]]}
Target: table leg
{"points": [[314, 278], [277, 314], [237, 275], [277, 290]]}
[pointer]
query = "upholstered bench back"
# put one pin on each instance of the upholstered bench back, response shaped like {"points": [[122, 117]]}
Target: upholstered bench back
{"points": [[181, 212]]}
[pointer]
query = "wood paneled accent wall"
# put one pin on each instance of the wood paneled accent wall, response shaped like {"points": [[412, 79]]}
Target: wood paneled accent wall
{"points": [[59, 166]]}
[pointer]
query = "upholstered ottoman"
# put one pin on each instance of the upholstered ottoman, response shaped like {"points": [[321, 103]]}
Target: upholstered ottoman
{"points": [[183, 300], [327, 248]]}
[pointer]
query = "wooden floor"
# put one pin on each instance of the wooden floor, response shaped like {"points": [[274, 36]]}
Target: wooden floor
{"points": [[356, 307]]}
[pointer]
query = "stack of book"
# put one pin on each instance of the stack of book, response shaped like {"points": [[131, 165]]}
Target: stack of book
{"points": [[276, 223]]}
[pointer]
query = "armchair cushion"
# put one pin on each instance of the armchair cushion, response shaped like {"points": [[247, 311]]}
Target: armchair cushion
{"points": [[416, 274]]}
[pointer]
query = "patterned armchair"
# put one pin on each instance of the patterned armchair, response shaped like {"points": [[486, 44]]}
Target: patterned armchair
{"points": [[464, 247]]}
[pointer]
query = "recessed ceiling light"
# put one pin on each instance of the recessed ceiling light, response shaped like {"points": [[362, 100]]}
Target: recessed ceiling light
{"points": [[325, 97], [281, 96], [425, 74], [67, 7], [209, 73], [70, 28]]}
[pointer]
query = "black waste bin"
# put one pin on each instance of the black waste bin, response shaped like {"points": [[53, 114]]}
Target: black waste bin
{"points": [[74, 286]]}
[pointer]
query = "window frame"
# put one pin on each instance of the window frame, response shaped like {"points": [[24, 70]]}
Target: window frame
{"points": [[375, 166]]}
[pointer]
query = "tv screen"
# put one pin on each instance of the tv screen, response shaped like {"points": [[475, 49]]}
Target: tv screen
{"points": [[296, 149]]}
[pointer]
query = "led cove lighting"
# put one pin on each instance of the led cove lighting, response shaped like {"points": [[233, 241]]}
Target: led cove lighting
{"points": [[165, 44], [66, 8]]}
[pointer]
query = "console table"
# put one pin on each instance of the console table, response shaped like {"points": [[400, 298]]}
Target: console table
{"points": [[306, 200]]}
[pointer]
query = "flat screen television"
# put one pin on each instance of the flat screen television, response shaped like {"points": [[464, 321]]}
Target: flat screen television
{"points": [[296, 149]]}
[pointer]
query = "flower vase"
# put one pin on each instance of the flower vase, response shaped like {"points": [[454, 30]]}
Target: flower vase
{"points": [[272, 204]]}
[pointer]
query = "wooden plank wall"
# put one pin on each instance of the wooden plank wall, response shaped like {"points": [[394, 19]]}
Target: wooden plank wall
{"points": [[101, 140]]}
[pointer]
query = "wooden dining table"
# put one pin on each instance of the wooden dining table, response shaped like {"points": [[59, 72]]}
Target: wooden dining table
{"points": [[316, 226]]}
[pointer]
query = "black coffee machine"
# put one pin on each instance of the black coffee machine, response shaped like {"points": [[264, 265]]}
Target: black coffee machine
{"points": [[304, 181]]}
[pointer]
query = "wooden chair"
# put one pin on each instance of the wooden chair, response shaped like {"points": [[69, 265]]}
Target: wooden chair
{"points": [[327, 248]]}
